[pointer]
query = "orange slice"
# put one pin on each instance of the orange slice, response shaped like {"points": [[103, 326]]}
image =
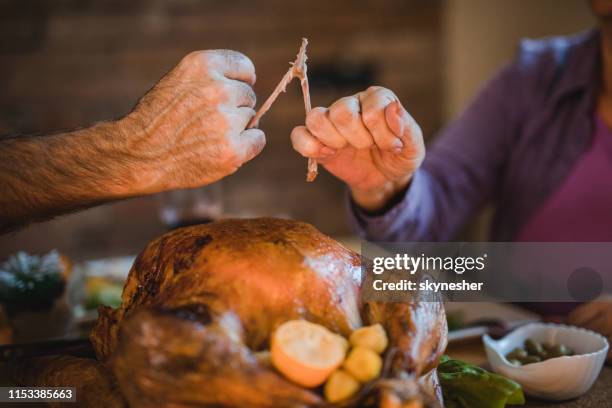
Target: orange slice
{"points": [[307, 353]]}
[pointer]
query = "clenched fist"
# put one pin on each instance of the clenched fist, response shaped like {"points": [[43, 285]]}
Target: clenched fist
{"points": [[368, 141], [189, 130]]}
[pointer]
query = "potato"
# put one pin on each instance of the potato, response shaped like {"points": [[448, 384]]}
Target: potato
{"points": [[339, 386], [372, 337], [363, 364]]}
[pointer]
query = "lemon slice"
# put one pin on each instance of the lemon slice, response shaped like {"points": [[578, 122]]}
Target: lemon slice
{"points": [[307, 353]]}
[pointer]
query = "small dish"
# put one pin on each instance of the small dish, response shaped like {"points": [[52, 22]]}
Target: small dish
{"points": [[558, 378]]}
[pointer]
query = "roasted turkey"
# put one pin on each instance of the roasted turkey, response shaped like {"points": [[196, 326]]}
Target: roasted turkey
{"points": [[201, 302]]}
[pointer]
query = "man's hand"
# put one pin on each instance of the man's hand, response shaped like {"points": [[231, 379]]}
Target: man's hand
{"points": [[189, 130], [596, 316], [368, 141]]}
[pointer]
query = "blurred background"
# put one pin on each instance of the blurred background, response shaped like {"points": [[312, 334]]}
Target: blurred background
{"points": [[69, 63]]}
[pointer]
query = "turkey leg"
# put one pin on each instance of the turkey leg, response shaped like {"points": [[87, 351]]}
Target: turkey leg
{"points": [[179, 358]]}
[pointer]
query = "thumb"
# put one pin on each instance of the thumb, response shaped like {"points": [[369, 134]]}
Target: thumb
{"points": [[250, 143]]}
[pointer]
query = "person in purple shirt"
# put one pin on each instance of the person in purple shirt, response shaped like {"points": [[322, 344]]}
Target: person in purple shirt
{"points": [[536, 143]]}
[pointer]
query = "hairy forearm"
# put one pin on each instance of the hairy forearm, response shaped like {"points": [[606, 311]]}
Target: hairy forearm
{"points": [[45, 176]]}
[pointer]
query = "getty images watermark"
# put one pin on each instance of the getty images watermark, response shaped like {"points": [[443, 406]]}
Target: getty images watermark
{"points": [[431, 265], [497, 271]]}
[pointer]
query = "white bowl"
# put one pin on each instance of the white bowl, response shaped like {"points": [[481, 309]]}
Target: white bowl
{"points": [[557, 378]]}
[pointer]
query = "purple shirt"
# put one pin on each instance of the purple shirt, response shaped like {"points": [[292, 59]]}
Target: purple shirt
{"points": [[581, 208], [513, 147]]}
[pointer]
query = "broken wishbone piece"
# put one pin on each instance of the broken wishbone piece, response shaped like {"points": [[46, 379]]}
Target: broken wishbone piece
{"points": [[298, 70]]}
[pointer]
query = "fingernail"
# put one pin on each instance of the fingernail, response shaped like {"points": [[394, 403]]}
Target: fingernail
{"points": [[398, 144], [326, 151]]}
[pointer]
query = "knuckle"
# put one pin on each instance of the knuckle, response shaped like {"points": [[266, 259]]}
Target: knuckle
{"points": [[213, 55], [315, 118], [380, 93], [370, 119], [233, 56], [194, 58], [341, 114], [374, 88]]}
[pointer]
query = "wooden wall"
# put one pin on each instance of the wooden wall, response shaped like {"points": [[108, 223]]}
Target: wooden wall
{"points": [[68, 63]]}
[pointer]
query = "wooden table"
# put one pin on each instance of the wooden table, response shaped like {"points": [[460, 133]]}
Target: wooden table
{"points": [[599, 396]]}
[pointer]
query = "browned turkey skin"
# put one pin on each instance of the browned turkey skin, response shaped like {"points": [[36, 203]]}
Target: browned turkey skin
{"points": [[200, 301], [95, 386]]}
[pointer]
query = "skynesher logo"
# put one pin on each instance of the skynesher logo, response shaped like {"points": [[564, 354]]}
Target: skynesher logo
{"points": [[508, 271], [412, 264]]}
